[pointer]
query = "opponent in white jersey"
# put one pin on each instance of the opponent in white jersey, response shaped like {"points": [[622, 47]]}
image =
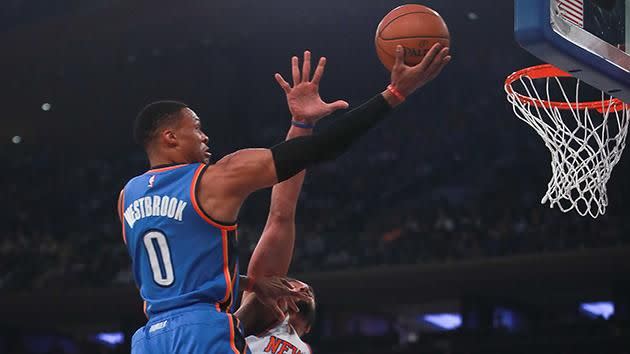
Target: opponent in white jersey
{"points": [[281, 339], [286, 335]]}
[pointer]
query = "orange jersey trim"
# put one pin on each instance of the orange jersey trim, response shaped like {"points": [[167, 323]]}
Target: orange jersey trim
{"points": [[155, 170], [232, 335], [197, 207], [226, 270], [121, 214], [144, 309]]}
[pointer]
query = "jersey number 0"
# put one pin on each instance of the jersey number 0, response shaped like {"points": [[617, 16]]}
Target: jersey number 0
{"points": [[155, 241]]}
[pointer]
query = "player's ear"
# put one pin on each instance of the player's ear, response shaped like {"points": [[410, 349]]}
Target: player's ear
{"points": [[168, 137]]}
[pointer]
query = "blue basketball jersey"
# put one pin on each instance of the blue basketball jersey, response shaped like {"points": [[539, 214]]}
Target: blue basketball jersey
{"points": [[180, 256]]}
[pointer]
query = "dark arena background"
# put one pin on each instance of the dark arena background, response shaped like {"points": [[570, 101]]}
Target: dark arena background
{"points": [[428, 236]]}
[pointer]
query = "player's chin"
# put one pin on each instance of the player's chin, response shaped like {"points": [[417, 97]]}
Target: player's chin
{"points": [[205, 157]]}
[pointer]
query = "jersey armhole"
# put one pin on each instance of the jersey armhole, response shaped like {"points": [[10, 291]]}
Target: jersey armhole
{"points": [[194, 193]]}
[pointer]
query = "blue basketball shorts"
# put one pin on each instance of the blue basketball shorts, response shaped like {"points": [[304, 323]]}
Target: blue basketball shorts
{"points": [[195, 329]]}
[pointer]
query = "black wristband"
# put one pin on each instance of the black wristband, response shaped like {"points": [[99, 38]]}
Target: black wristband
{"points": [[292, 156]]}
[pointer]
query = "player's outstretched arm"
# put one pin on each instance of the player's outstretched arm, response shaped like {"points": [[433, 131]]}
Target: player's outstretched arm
{"points": [[273, 254], [274, 251], [226, 185]]}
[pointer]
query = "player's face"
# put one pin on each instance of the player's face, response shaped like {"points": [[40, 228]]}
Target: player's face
{"points": [[191, 140], [298, 285]]}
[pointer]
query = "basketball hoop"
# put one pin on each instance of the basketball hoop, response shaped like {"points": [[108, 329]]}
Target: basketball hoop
{"points": [[586, 139]]}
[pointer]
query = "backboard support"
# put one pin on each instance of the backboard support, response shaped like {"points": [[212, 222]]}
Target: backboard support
{"points": [[590, 39]]}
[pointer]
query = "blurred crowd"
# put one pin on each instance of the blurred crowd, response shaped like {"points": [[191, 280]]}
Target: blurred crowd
{"points": [[387, 201], [453, 175]]}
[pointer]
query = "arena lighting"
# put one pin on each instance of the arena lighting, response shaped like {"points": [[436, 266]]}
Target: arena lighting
{"points": [[113, 338], [473, 16], [46, 107], [444, 320], [603, 309], [16, 139]]}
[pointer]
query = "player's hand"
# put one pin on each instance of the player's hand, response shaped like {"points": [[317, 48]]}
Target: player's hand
{"points": [[406, 79], [303, 98], [278, 294]]}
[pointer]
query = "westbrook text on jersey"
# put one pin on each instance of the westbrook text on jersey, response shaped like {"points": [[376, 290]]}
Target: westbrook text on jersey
{"points": [[180, 257], [156, 205]]}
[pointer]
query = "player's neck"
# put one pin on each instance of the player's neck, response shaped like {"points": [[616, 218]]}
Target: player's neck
{"points": [[162, 160], [298, 327], [158, 164]]}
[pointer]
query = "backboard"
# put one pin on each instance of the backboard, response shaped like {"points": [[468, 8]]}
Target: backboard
{"points": [[590, 39]]}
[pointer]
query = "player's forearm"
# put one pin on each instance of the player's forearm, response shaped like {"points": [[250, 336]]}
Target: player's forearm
{"points": [[274, 251], [272, 255], [297, 154], [284, 195]]}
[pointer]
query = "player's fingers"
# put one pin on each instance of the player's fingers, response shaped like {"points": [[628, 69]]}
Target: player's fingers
{"points": [[282, 303], [439, 68], [306, 295], [295, 70], [400, 56], [286, 283], [437, 62], [282, 82], [306, 66], [299, 294], [340, 104], [319, 71], [277, 311], [444, 62], [292, 305], [428, 58]]}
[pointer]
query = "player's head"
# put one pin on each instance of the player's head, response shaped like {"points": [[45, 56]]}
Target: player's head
{"points": [[304, 320], [172, 131]]}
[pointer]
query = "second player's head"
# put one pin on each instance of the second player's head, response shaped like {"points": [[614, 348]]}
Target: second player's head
{"points": [[304, 320], [170, 131]]}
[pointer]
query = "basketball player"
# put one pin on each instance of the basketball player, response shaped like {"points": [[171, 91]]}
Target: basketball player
{"points": [[179, 217]]}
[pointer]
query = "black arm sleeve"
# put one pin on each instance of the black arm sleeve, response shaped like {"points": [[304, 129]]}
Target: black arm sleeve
{"points": [[292, 156]]}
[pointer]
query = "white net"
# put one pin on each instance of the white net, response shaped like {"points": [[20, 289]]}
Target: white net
{"points": [[586, 140]]}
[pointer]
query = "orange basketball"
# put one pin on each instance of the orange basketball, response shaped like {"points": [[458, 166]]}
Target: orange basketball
{"points": [[415, 27]]}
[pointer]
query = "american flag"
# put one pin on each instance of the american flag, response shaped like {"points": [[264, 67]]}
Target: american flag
{"points": [[572, 11]]}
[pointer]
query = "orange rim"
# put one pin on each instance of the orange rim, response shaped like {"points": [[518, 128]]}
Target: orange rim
{"points": [[547, 71]]}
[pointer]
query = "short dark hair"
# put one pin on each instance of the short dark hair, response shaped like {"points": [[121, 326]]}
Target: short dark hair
{"points": [[153, 116]]}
